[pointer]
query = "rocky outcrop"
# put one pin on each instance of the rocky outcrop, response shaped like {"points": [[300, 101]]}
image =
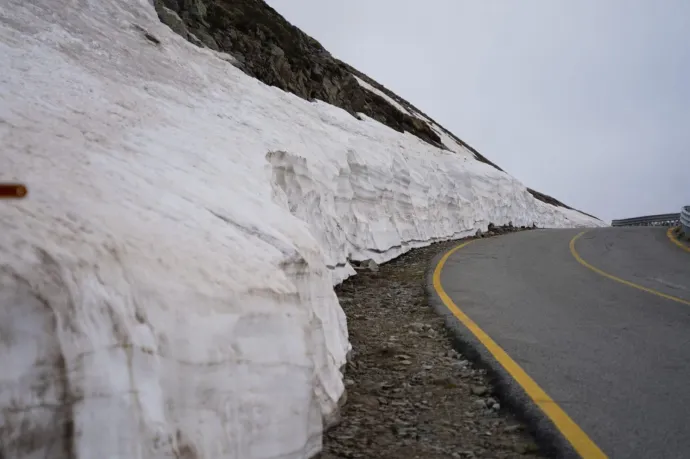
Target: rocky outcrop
{"points": [[274, 51]]}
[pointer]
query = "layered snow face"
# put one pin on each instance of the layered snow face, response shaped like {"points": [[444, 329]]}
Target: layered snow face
{"points": [[166, 286]]}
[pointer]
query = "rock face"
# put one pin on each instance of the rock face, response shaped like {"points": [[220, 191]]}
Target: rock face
{"points": [[274, 51]]}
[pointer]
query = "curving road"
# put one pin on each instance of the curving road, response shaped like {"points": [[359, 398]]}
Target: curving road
{"points": [[609, 343]]}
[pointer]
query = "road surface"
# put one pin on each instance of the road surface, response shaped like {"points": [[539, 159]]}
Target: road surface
{"points": [[609, 342]]}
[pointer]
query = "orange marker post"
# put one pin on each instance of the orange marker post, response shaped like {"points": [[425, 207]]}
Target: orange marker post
{"points": [[12, 191]]}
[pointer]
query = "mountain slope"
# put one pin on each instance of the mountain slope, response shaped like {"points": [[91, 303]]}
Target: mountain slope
{"points": [[166, 285], [279, 54]]}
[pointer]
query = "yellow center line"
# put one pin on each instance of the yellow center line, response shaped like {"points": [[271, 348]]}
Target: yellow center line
{"points": [[669, 233], [571, 431], [618, 279]]}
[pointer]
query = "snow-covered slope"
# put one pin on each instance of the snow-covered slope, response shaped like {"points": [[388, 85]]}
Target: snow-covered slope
{"points": [[166, 286]]}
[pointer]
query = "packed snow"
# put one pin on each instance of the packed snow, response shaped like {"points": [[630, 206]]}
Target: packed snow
{"points": [[166, 285]]}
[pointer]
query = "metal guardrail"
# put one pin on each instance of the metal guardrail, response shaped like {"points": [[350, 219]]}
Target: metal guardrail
{"points": [[685, 220], [654, 220]]}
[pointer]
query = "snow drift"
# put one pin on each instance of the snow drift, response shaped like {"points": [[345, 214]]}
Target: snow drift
{"points": [[166, 286]]}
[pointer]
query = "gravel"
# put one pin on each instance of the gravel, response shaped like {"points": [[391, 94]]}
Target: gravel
{"points": [[409, 393]]}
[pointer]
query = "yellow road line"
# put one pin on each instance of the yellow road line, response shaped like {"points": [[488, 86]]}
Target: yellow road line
{"points": [[618, 279], [571, 431], [673, 239]]}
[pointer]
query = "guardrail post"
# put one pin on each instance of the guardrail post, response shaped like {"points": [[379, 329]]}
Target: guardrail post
{"points": [[685, 221]]}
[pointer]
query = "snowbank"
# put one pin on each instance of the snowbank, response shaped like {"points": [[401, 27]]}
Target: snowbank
{"points": [[166, 286]]}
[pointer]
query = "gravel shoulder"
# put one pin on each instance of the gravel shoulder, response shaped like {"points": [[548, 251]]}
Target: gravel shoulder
{"points": [[679, 238], [410, 394]]}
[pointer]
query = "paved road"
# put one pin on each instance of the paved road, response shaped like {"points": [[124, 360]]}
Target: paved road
{"points": [[616, 359]]}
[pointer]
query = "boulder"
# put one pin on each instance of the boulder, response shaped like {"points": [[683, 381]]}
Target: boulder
{"points": [[172, 20]]}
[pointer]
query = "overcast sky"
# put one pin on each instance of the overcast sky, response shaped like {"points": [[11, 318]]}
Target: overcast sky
{"points": [[587, 100]]}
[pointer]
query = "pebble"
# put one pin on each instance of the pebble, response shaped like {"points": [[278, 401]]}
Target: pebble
{"points": [[480, 403], [479, 390]]}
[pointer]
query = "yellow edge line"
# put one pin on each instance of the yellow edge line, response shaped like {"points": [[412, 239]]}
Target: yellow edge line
{"points": [[571, 431], [669, 233], [618, 279]]}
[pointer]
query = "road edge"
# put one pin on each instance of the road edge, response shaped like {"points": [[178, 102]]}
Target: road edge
{"points": [[511, 394], [673, 233]]}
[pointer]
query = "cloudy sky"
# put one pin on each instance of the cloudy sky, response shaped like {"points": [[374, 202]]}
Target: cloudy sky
{"points": [[587, 100]]}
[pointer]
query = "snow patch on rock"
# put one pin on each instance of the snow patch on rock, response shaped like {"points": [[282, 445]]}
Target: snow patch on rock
{"points": [[382, 94], [166, 286]]}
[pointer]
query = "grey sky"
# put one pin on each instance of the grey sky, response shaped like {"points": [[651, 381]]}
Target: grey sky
{"points": [[587, 100]]}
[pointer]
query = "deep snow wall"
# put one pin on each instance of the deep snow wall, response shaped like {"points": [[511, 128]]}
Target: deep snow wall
{"points": [[166, 286]]}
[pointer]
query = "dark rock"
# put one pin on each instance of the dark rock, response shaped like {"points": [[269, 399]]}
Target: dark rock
{"points": [[366, 265], [195, 8], [172, 20], [369, 401], [195, 41], [480, 403], [479, 390], [207, 39], [152, 38], [372, 266], [171, 4], [513, 428]]}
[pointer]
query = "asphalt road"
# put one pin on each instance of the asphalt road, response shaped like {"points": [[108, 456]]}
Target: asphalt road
{"points": [[615, 358]]}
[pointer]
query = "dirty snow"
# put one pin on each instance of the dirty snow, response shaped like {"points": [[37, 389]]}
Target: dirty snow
{"points": [[166, 286]]}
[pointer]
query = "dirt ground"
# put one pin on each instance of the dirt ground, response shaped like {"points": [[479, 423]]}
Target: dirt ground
{"points": [[409, 394]]}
